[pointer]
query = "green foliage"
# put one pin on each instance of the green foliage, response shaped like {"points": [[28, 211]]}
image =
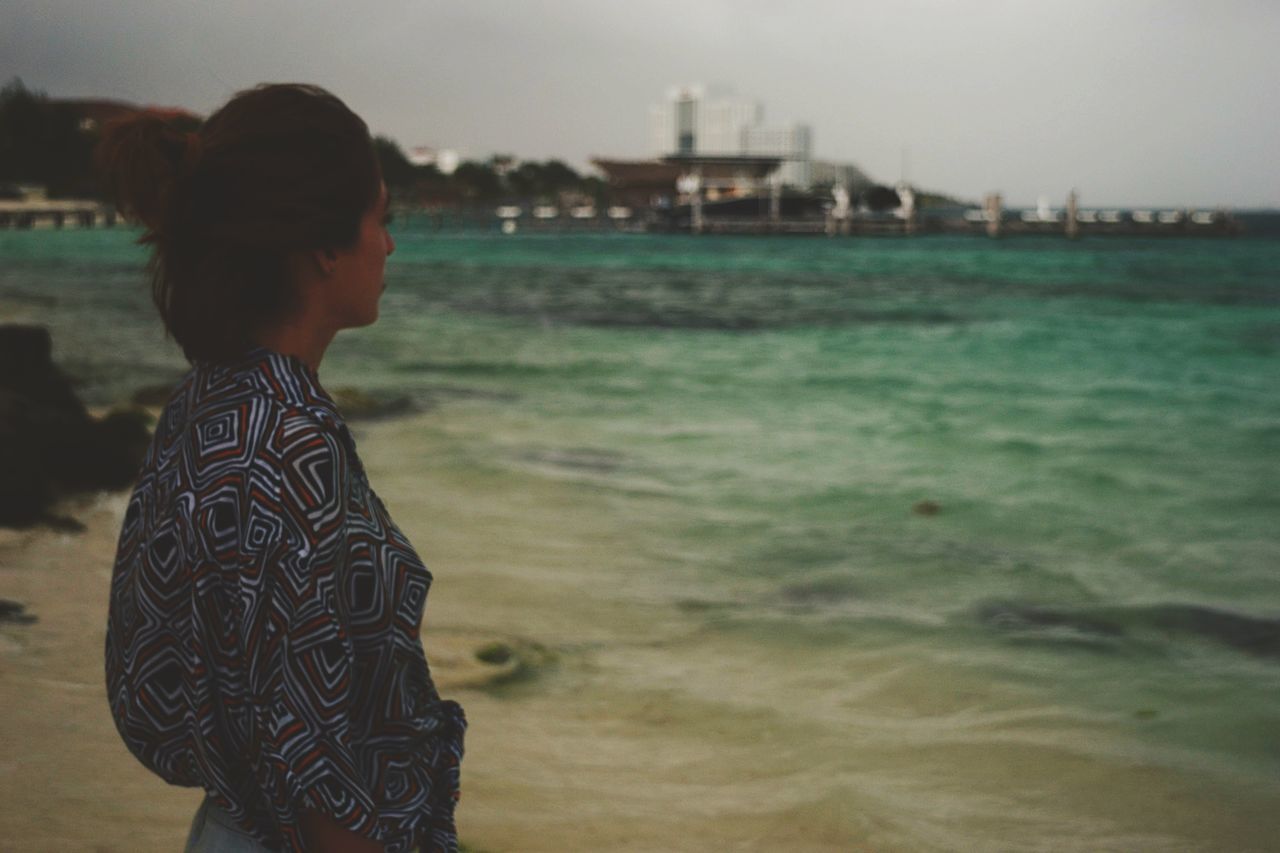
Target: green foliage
{"points": [[477, 181], [45, 142], [397, 171], [41, 142], [542, 181]]}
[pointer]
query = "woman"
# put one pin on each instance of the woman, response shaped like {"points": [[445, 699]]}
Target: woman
{"points": [[263, 635]]}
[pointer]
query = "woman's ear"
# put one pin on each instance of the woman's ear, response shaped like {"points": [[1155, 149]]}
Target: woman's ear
{"points": [[318, 262], [326, 260], [312, 264]]}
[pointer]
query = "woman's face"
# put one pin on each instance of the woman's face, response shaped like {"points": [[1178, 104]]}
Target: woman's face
{"points": [[358, 271]]}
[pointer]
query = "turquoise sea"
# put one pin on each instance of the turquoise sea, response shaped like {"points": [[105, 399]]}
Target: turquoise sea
{"points": [[964, 544]]}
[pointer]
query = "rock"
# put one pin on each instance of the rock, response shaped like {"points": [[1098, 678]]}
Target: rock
{"points": [[63, 524], [14, 613], [26, 489], [514, 660], [496, 652], [927, 508], [155, 395], [817, 591], [356, 404], [1256, 635], [1021, 617], [1253, 634], [27, 368], [49, 444]]}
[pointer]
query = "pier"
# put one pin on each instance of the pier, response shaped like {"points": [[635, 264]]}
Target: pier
{"points": [[742, 195], [56, 213]]}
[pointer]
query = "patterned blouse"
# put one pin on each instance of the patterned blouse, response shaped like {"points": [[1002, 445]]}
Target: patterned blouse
{"points": [[263, 636]]}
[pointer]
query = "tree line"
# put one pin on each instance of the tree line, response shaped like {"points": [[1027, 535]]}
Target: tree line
{"points": [[50, 143], [43, 142], [500, 178]]}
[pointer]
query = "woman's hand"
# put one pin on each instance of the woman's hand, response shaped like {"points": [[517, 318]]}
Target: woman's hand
{"points": [[325, 835]]}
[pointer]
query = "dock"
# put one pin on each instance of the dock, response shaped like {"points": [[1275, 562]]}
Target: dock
{"points": [[56, 213]]}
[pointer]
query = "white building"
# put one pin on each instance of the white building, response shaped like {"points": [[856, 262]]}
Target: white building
{"points": [[444, 159], [694, 121]]}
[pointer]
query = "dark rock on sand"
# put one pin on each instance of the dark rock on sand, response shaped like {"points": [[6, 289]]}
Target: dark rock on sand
{"points": [[49, 444], [155, 395], [1015, 617], [496, 652], [927, 508], [513, 660], [356, 404], [27, 368], [13, 613], [1255, 635], [819, 591]]}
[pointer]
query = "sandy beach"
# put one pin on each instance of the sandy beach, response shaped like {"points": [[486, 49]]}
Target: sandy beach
{"points": [[556, 760], [620, 722]]}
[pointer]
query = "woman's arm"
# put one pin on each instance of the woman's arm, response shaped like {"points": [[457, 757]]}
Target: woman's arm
{"points": [[325, 835]]}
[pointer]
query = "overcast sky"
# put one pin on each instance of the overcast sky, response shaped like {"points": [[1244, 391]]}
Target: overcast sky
{"points": [[1131, 102]]}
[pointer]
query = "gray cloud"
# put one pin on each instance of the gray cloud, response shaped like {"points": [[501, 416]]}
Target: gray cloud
{"points": [[1138, 102]]}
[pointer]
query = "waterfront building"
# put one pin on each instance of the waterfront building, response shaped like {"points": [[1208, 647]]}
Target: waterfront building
{"points": [[694, 121], [444, 159], [825, 174]]}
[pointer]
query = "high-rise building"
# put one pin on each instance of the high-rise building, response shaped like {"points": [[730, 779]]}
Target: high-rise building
{"points": [[693, 120]]}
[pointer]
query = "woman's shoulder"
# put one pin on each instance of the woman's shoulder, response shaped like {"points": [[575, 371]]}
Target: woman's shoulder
{"points": [[263, 392]]}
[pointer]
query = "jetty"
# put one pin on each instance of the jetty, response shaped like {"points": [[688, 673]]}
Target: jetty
{"points": [[30, 213], [774, 215], [740, 194]]}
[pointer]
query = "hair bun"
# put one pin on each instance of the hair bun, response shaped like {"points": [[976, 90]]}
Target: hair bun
{"points": [[193, 150], [141, 158]]}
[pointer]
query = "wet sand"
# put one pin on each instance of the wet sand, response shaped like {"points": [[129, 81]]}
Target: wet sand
{"points": [[557, 758]]}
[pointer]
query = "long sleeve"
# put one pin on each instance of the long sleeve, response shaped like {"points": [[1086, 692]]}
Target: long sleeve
{"points": [[263, 638], [339, 737]]}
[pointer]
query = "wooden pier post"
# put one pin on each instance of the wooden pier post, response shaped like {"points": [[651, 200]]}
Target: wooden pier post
{"points": [[696, 202], [907, 198], [775, 200], [1072, 224], [992, 205]]}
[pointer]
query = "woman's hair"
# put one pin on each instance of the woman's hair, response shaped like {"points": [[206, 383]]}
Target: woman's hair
{"points": [[279, 169]]}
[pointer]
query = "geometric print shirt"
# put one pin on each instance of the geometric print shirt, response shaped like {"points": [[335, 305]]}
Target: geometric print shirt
{"points": [[263, 629]]}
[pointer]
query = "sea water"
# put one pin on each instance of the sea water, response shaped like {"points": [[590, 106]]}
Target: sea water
{"points": [[952, 543]]}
